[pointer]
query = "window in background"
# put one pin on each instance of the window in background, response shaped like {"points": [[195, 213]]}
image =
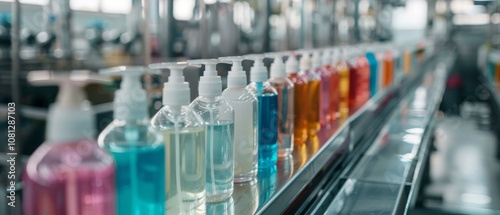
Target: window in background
{"points": [[86, 5], [116, 6]]}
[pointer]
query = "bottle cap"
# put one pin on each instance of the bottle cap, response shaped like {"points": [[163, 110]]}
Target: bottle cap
{"points": [[258, 72], [277, 67], [130, 99], [210, 83], [71, 117], [236, 77], [175, 90], [327, 57]]}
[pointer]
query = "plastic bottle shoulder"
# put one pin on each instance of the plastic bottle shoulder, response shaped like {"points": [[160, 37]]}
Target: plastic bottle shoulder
{"points": [[129, 134], [267, 88], [167, 117], [213, 110], [310, 74], [52, 162], [298, 78], [281, 81], [239, 94]]}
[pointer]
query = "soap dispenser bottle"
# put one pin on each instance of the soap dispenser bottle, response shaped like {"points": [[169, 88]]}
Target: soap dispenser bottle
{"points": [[69, 173], [300, 83], [313, 102], [245, 106], [285, 89], [137, 147], [268, 111], [184, 135], [218, 117], [324, 92], [330, 58], [372, 60]]}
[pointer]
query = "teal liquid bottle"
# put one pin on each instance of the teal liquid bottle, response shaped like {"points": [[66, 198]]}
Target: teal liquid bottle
{"points": [[268, 112], [184, 136], [218, 117], [137, 148], [372, 60]]}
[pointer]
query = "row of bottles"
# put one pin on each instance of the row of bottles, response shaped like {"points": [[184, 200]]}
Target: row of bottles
{"points": [[191, 153]]}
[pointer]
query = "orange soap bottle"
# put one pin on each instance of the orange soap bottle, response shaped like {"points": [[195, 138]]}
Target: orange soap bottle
{"points": [[388, 68], [313, 102], [300, 125], [343, 74]]}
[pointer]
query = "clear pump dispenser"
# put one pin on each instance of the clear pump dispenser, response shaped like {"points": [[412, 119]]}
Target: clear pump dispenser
{"points": [[184, 135], [138, 148], [268, 112], [218, 117], [69, 168], [245, 107], [285, 90]]}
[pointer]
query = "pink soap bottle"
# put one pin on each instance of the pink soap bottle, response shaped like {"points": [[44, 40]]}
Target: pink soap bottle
{"points": [[69, 174]]}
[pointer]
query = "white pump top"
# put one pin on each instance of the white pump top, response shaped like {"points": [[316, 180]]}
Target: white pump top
{"points": [[71, 117], [236, 78], [335, 57], [258, 72], [327, 57], [210, 83], [130, 99], [305, 61], [316, 59], [278, 66], [292, 65], [176, 91]]}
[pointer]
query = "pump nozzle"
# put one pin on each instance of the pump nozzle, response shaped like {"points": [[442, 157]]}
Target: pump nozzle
{"points": [[236, 77], [316, 59], [176, 90], [71, 116], [130, 99], [210, 83], [258, 72], [327, 57], [305, 60], [277, 67], [292, 65]]}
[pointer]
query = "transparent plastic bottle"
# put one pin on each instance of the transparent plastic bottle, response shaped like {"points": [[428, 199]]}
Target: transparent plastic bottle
{"points": [[300, 98], [183, 131], [314, 86], [69, 173], [138, 149], [268, 112], [218, 117], [245, 106], [324, 92], [285, 89]]}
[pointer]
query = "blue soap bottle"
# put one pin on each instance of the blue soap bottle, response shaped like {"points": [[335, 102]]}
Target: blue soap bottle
{"points": [[268, 111], [137, 148]]}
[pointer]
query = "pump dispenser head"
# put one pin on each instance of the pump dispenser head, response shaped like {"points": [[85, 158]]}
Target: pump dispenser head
{"points": [[258, 72], [236, 77], [292, 65], [316, 59], [176, 90], [327, 57], [305, 60], [335, 57], [71, 117], [210, 83], [130, 99], [278, 66]]}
